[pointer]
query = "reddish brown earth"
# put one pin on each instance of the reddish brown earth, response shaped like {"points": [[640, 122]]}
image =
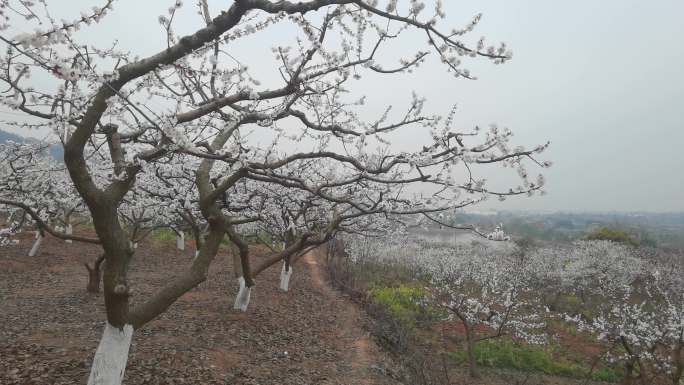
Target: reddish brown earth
{"points": [[361, 351], [50, 326]]}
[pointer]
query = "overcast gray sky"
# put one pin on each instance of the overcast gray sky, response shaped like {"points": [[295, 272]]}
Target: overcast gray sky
{"points": [[601, 79]]}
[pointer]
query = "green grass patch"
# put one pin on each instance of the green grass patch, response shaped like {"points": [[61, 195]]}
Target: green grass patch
{"points": [[264, 237], [164, 235], [168, 235], [384, 274], [571, 301], [566, 327], [612, 235], [510, 355], [404, 303], [606, 374]]}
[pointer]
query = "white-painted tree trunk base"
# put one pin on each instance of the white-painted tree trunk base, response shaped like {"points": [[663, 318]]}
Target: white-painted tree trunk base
{"points": [[180, 241], [285, 277], [242, 298], [196, 254], [36, 246], [69, 231], [111, 356]]}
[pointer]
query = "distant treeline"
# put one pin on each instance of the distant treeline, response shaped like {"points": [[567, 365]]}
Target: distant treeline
{"points": [[665, 230]]}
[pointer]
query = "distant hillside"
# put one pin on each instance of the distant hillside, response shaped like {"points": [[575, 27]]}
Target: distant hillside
{"points": [[56, 150]]}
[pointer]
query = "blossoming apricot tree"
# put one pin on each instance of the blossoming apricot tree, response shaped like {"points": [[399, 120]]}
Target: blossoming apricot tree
{"points": [[194, 99]]}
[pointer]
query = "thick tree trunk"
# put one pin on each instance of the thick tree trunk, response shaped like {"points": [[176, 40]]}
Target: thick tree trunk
{"points": [[631, 364], [243, 249], [94, 275], [93, 280], [180, 240], [69, 231], [242, 298], [198, 244], [677, 375], [199, 238], [36, 245], [627, 378], [678, 364], [285, 274], [111, 356], [470, 342], [643, 379], [237, 266]]}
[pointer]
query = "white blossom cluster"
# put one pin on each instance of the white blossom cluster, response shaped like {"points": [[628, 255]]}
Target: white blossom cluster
{"points": [[33, 178], [29, 175]]}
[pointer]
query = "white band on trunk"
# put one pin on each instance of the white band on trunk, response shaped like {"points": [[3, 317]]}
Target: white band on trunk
{"points": [[109, 363]]}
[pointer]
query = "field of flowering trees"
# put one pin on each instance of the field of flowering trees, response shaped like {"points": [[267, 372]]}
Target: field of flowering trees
{"points": [[187, 143], [626, 302]]}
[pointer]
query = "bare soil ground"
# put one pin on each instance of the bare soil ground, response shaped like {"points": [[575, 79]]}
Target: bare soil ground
{"points": [[362, 351], [50, 326]]}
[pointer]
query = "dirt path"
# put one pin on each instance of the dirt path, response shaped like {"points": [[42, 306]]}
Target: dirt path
{"points": [[361, 348]]}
